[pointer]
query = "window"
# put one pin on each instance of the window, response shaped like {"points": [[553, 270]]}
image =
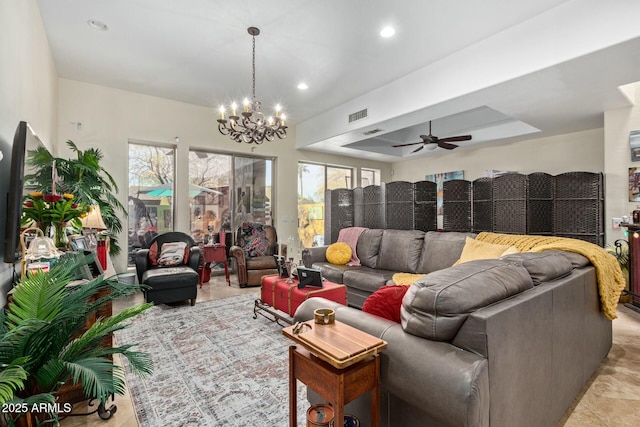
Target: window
{"points": [[369, 177], [313, 179], [150, 205], [227, 190]]}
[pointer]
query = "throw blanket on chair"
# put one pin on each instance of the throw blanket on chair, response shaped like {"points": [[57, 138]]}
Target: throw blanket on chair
{"points": [[350, 236], [611, 282]]}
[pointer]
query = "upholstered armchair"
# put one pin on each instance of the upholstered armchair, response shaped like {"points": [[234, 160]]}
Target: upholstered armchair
{"points": [[170, 268], [255, 245]]}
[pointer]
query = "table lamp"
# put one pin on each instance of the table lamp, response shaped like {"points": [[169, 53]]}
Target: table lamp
{"points": [[94, 221]]}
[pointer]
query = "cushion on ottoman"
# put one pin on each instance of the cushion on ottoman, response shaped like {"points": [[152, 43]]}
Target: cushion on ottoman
{"points": [[170, 277], [438, 304]]}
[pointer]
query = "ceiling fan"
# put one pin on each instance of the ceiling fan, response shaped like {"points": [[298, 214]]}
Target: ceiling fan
{"points": [[431, 139]]}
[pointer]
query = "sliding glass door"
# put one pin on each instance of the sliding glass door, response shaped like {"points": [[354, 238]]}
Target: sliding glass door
{"points": [[150, 204], [229, 190]]}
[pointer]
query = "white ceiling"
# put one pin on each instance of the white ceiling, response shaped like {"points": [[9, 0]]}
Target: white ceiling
{"points": [[499, 70]]}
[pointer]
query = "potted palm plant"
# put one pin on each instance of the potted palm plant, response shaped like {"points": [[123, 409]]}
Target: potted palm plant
{"points": [[46, 343], [84, 177]]}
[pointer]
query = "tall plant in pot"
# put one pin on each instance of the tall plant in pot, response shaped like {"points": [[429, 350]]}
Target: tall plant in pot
{"points": [[45, 342], [84, 177]]}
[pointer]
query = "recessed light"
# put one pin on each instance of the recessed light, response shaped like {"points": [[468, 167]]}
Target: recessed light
{"points": [[387, 32], [97, 25], [303, 86]]}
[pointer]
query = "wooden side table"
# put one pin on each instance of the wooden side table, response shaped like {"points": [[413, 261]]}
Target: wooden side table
{"points": [[336, 386], [337, 361]]}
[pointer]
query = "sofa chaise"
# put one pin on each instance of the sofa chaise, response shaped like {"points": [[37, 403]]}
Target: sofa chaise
{"points": [[495, 342]]}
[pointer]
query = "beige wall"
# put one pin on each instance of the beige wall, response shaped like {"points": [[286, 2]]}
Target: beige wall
{"points": [[618, 124], [110, 118], [28, 87], [580, 151]]}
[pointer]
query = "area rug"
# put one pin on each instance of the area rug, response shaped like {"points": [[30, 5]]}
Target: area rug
{"points": [[214, 365]]}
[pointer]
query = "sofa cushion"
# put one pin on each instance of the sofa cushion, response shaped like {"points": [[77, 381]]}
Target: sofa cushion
{"points": [[339, 253], [367, 279], [441, 250], [542, 266], [386, 302], [438, 304], [332, 272], [477, 249], [368, 247], [400, 250]]}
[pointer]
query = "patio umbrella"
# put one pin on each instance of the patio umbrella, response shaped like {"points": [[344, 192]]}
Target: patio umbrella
{"points": [[166, 190]]}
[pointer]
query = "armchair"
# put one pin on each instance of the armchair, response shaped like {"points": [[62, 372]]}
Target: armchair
{"points": [[255, 245], [170, 268]]}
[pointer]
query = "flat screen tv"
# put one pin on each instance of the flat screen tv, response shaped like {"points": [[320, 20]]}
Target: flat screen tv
{"points": [[24, 140]]}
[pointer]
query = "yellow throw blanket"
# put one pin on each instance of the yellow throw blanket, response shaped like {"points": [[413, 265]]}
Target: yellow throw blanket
{"points": [[611, 282]]}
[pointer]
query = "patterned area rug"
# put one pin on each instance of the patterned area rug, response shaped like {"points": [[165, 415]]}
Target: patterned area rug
{"points": [[214, 365]]}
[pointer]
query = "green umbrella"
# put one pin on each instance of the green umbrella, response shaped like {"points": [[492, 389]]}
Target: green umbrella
{"points": [[166, 190]]}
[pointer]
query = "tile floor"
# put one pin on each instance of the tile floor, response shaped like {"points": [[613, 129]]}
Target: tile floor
{"points": [[611, 398]]}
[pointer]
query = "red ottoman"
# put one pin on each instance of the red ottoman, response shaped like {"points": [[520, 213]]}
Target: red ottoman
{"points": [[277, 294]]}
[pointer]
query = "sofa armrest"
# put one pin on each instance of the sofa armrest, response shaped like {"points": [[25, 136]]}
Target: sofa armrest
{"points": [[142, 263], [314, 254], [195, 257], [436, 377]]}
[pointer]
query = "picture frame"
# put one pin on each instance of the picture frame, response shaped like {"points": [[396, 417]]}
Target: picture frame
{"points": [[78, 242], [91, 237]]}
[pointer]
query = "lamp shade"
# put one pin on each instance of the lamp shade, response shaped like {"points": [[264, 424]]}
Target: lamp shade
{"points": [[94, 219]]}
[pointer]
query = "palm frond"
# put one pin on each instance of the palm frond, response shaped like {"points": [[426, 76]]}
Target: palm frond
{"points": [[96, 376], [40, 295], [12, 379], [100, 329]]}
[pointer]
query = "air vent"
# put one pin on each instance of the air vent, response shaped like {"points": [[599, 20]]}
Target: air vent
{"points": [[372, 131], [358, 115]]}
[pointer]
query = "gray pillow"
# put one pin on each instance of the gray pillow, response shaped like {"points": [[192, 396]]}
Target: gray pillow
{"points": [[542, 266], [441, 250], [436, 306], [400, 250], [368, 247]]}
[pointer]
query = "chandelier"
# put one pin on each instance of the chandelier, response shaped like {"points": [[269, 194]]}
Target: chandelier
{"points": [[252, 127]]}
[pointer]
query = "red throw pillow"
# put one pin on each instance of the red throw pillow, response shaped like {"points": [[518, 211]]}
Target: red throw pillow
{"points": [[153, 253], [386, 302]]}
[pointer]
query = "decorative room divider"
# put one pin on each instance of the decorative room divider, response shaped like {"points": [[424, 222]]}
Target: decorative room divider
{"points": [[570, 204]]}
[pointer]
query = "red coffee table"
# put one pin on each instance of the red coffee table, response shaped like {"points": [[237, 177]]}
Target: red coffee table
{"points": [[277, 296]]}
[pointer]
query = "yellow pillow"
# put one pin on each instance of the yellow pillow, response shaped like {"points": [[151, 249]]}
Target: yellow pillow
{"points": [[405, 278], [476, 249], [338, 253]]}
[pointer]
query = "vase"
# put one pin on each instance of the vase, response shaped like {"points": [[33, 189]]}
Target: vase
{"points": [[57, 232]]}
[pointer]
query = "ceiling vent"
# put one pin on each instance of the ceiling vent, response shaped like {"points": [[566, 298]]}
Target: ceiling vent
{"points": [[372, 131], [358, 115]]}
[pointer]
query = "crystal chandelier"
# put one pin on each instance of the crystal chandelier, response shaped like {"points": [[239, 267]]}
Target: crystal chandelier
{"points": [[252, 127]]}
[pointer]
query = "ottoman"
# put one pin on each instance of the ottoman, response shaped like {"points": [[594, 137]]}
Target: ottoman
{"points": [[171, 284], [276, 295]]}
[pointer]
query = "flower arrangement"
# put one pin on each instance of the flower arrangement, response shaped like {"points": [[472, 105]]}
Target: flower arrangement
{"points": [[53, 210]]}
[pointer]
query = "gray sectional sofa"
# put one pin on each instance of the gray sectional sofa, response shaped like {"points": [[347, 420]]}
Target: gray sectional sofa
{"points": [[506, 342], [385, 252]]}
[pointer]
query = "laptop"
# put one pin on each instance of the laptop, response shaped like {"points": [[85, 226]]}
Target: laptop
{"points": [[309, 277]]}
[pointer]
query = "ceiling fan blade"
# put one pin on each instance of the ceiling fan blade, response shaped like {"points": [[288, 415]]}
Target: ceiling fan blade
{"points": [[417, 149], [446, 146], [406, 145], [456, 138]]}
